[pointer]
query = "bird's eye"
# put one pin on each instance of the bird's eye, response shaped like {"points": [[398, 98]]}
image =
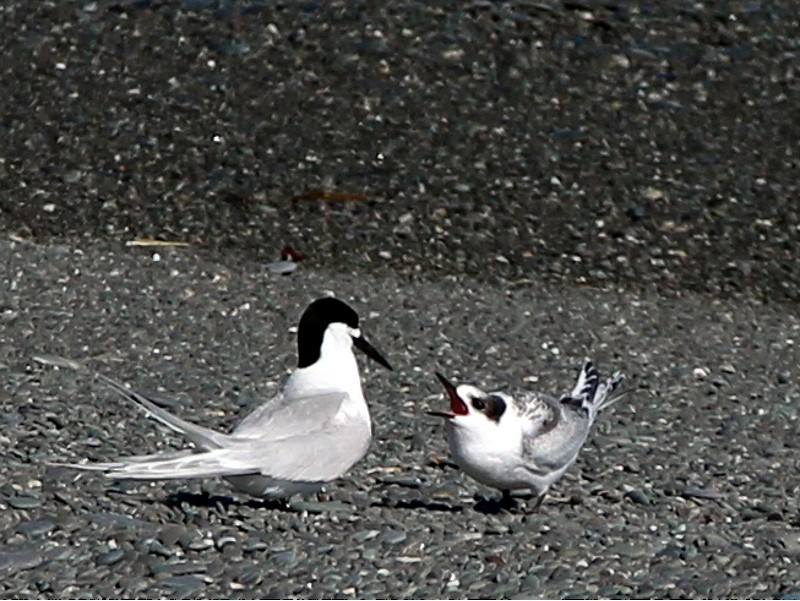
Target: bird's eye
{"points": [[478, 404]]}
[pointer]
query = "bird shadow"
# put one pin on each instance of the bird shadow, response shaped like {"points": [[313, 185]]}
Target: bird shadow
{"points": [[494, 506], [223, 502], [498, 505], [420, 504]]}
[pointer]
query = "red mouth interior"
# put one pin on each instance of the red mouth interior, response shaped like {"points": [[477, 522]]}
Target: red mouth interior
{"points": [[457, 406]]}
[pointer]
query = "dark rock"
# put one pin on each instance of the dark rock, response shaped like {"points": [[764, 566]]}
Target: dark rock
{"points": [[110, 557]]}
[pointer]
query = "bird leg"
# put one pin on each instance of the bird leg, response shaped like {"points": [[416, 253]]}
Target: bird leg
{"points": [[537, 504]]}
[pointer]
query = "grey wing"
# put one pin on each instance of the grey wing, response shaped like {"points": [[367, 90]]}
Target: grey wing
{"points": [[322, 455], [553, 436], [540, 413], [297, 441], [283, 417], [317, 458], [303, 438]]}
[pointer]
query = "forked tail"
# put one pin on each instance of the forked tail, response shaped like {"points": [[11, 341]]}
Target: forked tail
{"points": [[589, 393]]}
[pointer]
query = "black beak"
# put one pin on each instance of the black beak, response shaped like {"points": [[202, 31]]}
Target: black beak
{"points": [[448, 386], [445, 414], [370, 351], [457, 406]]}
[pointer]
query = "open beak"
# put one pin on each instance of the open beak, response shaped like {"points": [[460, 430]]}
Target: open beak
{"points": [[457, 406], [370, 351]]}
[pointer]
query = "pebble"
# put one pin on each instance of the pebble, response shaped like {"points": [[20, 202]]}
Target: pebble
{"points": [[155, 547], [13, 561], [251, 574], [639, 497], [281, 267], [224, 541], [25, 502], [178, 568], [171, 534], [104, 519], [286, 559], [184, 585], [110, 557], [497, 528], [319, 507], [393, 537], [442, 304], [365, 535], [692, 492], [36, 528], [254, 546]]}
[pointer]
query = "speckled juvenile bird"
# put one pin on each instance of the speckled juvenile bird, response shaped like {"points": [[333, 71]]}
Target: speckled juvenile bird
{"points": [[313, 431], [527, 442]]}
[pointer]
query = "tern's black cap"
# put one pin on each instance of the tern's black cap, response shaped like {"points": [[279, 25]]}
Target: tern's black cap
{"points": [[313, 323]]}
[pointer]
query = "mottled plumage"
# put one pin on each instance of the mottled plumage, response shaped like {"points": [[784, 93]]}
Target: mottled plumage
{"points": [[534, 440]]}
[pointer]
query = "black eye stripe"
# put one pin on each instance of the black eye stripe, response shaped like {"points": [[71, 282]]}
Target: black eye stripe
{"points": [[492, 406]]}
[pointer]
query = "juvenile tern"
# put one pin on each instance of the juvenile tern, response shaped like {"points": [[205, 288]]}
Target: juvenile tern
{"points": [[523, 442]]}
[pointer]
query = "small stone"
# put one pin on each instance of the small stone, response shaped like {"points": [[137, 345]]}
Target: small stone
{"points": [[281, 267], [651, 193], [639, 497], [73, 176], [171, 534], [36, 528], [155, 547], [319, 507], [393, 537], [286, 559], [200, 544], [224, 541], [24, 502], [251, 575], [365, 535], [496, 528], [256, 546], [693, 492], [784, 377], [110, 557], [635, 213], [14, 561], [179, 568], [619, 60], [184, 585]]}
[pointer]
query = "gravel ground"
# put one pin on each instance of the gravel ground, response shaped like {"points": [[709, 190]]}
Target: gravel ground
{"points": [[500, 188], [650, 145], [686, 489]]}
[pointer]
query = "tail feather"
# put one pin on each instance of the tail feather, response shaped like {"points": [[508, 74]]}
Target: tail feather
{"points": [[204, 438], [589, 393], [606, 390], [183, 464]]}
